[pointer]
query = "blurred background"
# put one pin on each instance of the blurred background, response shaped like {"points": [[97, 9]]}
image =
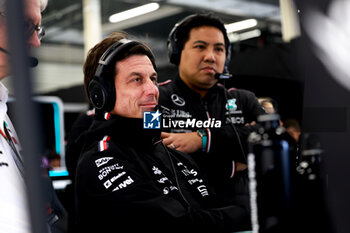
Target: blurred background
{"points": [[74, 26], [69, 36], [294, 52]]}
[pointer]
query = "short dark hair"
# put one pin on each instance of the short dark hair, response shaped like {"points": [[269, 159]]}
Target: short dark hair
{"points": [[94, 55], [198, 20], [292, 123]]}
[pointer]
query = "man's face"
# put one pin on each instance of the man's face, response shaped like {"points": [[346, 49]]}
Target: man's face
{"points": [[269, 107], [203, 55], [32, 14], [135, 85]]}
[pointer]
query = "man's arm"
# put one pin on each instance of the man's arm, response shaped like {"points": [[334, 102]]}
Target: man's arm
{"points": [[134, 197]]}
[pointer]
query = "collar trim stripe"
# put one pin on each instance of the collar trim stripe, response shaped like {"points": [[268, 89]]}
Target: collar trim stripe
{"points": [[232, 89], [233, 169], [104, 143], [107, 116], [165, 82], [209, 139]]}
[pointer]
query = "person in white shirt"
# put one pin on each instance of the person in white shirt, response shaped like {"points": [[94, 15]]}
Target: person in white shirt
{"points": [[14, 216]]}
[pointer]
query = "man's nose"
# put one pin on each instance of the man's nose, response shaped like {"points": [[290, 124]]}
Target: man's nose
{"points": [[33, 40], [209, 56], [151, 88]]}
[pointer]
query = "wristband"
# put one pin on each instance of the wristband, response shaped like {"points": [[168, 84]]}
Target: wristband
{"points": [[203, 134]]}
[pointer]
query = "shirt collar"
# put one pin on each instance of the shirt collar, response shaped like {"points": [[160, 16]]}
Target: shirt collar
{"points": [[192, 94], [126, 130], [3, 100]]}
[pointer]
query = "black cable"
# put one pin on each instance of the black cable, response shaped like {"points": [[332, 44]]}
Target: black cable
{"points": [[175, 174], [233, 126]]}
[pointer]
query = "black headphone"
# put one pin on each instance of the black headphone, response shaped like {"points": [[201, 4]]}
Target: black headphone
{"points": [[175, 47], [101, 89]]}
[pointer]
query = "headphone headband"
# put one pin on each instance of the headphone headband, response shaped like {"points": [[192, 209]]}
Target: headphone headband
{"points": [[175, 47], [108, 56], [101, 89]]}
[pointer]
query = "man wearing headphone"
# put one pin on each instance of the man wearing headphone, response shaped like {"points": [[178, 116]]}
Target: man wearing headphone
{"points": [[200, 47], [127, 180]]}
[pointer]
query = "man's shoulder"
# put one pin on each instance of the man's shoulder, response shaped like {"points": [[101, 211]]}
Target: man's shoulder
{"points": [[98, 157], [166, 89], [94, 150], [104, 148], [103, 173], [165, 83], [166, 86], [237, 92]]}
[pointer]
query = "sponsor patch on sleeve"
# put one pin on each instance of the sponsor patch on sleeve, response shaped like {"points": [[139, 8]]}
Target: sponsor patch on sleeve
{"points": [[112, 175], [102, 161]]}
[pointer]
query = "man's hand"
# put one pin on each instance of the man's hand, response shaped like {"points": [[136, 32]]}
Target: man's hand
{"points": [[250, 124], [241, 167], [185, 142]]}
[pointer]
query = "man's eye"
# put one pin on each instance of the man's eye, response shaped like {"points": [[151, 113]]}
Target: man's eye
{"points": [[199, 46], [154, 79], [137, 80], [220, 49]]}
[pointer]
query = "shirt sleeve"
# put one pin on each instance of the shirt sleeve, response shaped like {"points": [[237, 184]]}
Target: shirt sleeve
{"points": [[230, 140]]}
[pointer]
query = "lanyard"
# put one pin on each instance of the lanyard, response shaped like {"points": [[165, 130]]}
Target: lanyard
{"points": [[16, 156]]}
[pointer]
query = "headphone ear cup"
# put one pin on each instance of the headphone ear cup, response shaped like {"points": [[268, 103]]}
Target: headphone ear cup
{"points": [[97, 95], [173, 46], [173, 52], [102, 94]]}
